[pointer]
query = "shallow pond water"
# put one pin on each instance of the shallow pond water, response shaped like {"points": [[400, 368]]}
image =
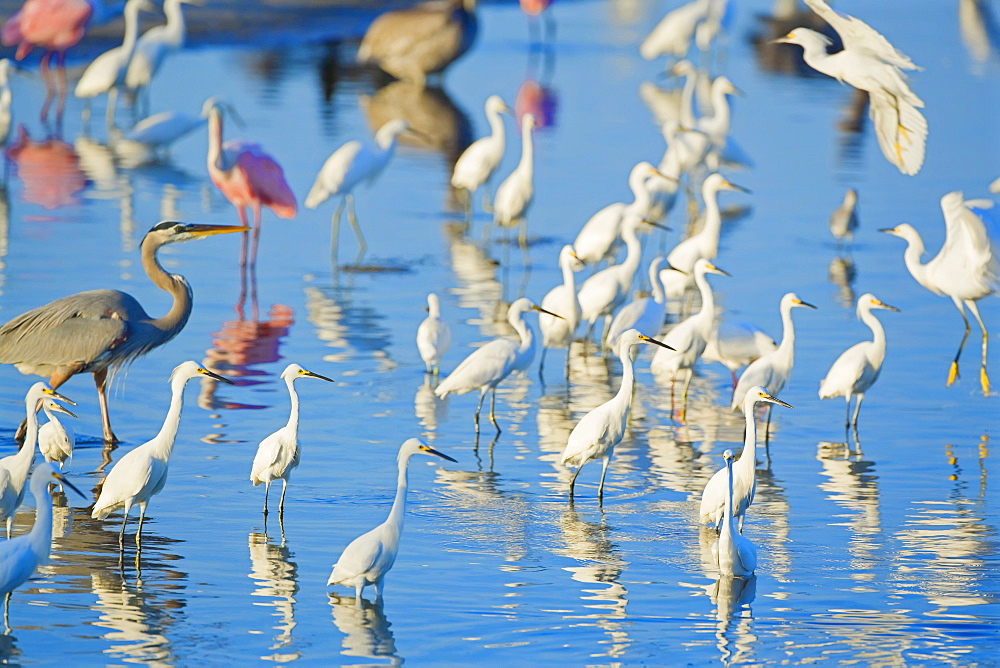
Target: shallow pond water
{"points": [[880, 550]]}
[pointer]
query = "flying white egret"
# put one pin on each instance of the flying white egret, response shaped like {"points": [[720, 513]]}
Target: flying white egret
{"points": [[141, 473], [600, 430], [348, 166], [55, 439], [716, 492], [735, 344], [433, 335], [870, 63], [646, 314], [673, 34], [704, 244], [688, 338], [601, 294], [480, 160], [487, 366], [369, 557], [967, 268], [858, 367], [736, 555], [516, 192], [559, 332], [278, 454], [772, 370], [14, 468], [844, 219], [156, 44], [598, 236], [19, 557]]}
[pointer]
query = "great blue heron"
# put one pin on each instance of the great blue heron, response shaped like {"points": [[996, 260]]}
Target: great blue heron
{"points": [[98, 330]]}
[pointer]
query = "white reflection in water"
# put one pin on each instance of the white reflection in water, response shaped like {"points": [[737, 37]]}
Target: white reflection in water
{"points": [[366, 630], [734, 634], [276, 576], [429, 408], [353, 331]]}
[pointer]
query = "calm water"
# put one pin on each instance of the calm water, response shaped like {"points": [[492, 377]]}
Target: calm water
{"points": [[882, 551]]}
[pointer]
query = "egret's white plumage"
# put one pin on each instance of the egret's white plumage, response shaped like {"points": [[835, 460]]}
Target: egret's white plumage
{"points": [[646, 314], [278, 454], [858, 367], [673, 34], [735, 344], [162, 129], [107, 72], [600, 430], [55, 439], [736, 555], [433, 335], [480, 160], [516, 192], [142, 472], [562, 299], [967, 268], [715, 494], [156, 44], [369, 557]]}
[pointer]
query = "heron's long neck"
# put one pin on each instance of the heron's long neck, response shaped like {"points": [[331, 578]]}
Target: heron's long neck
{"points": [[911, 258], [168, 432], [786, 348], [526, 332], [180, 309], [131, 29], [878, 332], [175, 22], [40, 535], [526, 165], [748, 458], [497, 131], [293, 416], [641, 196], [399, 503]]}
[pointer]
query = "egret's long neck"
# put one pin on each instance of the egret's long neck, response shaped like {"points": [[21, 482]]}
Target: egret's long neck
{"points": [[434, 310], [656, 285], [497, 130], [399, 503], [713, 217], [633, 251], [293, 416], [180, 308], [748, 458], [526, 165], [641, 196], [720, 109], [707, 312], [878, 332], [131, 29], [26, 454], [524, 330], [569, 277], [786, 348], [816, 57], [624, 396], [911, 258], [688, 119], [175, 28], [168, 432], [40, 535], [729, 493]]}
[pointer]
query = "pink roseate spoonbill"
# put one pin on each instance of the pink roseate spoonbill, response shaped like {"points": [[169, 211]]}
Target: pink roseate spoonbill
{"points": [[52, 25], [248, 177], [535, 8]]}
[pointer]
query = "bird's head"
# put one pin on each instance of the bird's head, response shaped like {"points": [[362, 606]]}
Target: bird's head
{"points": [[414, 446], [171, 231], [47, 473], [868, 301], [703, 267], [52, 406], [294, 371], [793, 301], [758, 395], [188, 370]]}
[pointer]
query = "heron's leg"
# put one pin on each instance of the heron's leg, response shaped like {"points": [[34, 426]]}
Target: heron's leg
{"points": [[604, 472], [572, 481], [493, 403], [6, 613], [847, 419], [479, 407], [857, 409], [352, 218], [267, 489], [281, 504], [984, 380], [953, 371], [100, 380], [358, 588], [142, 517], [256, 233], [735, 380]]}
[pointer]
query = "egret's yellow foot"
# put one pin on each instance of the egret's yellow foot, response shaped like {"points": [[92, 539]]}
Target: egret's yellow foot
{"points": [[984, 380], [952, 373]]}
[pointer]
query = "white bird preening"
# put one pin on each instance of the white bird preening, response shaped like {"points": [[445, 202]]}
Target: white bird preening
{"points": [[858, 367], [278, 454], [600, 430], [156, 44], [487, 366], [870, 63], [844, 219], [772, 370], [55, 439], [558, 332], [433, 335], [480, 160], [142, 472], [369, 557], [736, 555], [646, 314], [14, 468], [967, 268], [716, 493], [515, 194], [349, 165]]}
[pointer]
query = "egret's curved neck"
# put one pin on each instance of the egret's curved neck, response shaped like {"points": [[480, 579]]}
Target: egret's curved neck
{"points": [[526, 165], [293, 416], [131, 28], [26, 454], [164, 441], [399, 503], [40, 535], [878, 332], [911, 258], [688, 119], [497, 131], [713, 216], [175, 21], [787, 346], [624, 396], [569, 277], [728, 512], [707, 312], [656, 285], [633, 250], [720, 108], [524, 330], [748, 458], [180, 309], [640, 193]]}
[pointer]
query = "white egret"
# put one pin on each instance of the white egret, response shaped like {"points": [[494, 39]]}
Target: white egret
{"points": [[156, 44], [772, 370], [600, 430], [516, 192], [55, 439], [870, 63], [735, 344], [348, 166], [596, 239], [141, 473], [14, 468], [433, 335], [646, 314], [717, 125], [686, 149], [736, 555], [107, 72], [672, 35], [967, 268], [858, 367], [480, 160], [716, 492], [487, 366], [369, 557], [704, 244], [844, 219], [688, 338], [278, 454], [601, 294], [559, 332], [5, 100], [19, 557], [159, 131]]}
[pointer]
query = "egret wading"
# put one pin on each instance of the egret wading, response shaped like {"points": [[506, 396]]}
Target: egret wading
{"points": [[142, 472], [736, 555], [480, 160], [517, 191], [55, 439], [102, 330], [735, 344], [646, 314], [558, 332], [156, 44], [433, 336], [369, 557]]}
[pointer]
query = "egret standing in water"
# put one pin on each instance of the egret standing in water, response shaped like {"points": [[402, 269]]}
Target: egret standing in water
{"points": [[967, 268], [487, 366], [480, 160], [716, 492], [515, 194], [156, 44], [558, 332], [736, 555], [55, 439], [369, 557], [600, 430], [858, 367], [646, 314], [278, 454], [142, 472], [870, 63], [433, 335]]}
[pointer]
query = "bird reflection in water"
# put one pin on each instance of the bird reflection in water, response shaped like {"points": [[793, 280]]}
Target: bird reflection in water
{"points": [[353, 331], [366, 630], [276, 576], [536, 95], [49, 169], [732, 597], [429, 409]]}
